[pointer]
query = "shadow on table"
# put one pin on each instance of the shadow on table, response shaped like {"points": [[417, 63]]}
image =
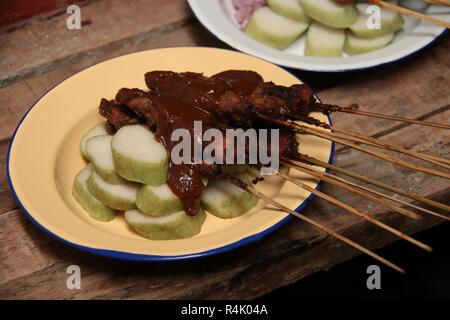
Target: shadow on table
{"points": [[426, 277]]}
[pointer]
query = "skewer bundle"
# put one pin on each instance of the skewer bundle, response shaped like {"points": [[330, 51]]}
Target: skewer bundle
{"points": [[241, 99], [409, 12]]}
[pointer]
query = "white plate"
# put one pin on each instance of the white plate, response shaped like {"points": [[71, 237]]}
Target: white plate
{"points": [[414, 37]]}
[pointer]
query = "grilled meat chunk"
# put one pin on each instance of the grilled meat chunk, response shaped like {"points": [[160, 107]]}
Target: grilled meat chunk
{"points": [[117, 115], [229, 99]]}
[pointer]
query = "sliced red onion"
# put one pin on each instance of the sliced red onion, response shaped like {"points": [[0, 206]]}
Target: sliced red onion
{"points": [[240, 11], [243, 3], [243, 14]]}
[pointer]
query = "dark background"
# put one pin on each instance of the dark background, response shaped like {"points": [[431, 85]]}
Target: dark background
{"points": [[427, 275]]}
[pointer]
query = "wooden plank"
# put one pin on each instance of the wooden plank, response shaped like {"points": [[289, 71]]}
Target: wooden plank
{"points": [[6, 199], [405, 89], [17, 98], [33, 265], [46, 43], [16, 10]]}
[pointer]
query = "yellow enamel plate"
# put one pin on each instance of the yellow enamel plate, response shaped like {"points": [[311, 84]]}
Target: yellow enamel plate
{"points": [[44, 158]]}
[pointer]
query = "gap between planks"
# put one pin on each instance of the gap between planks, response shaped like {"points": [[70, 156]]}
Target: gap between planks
{"points": [[296, 258], [103, 33], [401, 126]]}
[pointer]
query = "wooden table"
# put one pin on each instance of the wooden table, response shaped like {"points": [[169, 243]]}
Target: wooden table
{"points": [[40, 53]]}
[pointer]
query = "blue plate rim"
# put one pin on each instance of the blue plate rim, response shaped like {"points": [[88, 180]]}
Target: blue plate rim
{"points": [[432, 42], [127, 256]]}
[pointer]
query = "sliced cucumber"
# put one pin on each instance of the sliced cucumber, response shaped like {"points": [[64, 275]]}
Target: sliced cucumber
{"points": [[138, 156], [98, 150], [272, 29], [225, 200], [177, 225], [98, 130], [291, 9], [391, 21], [158, 200], [323, 41], [87, 200], [117, 196], [330, 13], [355, 45]]}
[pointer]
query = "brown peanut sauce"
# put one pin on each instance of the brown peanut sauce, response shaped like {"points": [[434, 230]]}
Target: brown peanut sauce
{"points": [[181, 99]]}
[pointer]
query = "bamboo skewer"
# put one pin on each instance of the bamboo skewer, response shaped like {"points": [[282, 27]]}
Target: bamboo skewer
{"points": [[356, 212], [344, 186], [382, 116], [357, 137], [438, 2], [443, 2], [368, 140], [328, 136], [442, 162], [321, 175], [410, 12], [374, 182], [380, 155], [318, 225]]}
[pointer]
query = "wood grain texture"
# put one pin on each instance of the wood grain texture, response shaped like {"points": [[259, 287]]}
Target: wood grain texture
{"points": [[46, 43], [411, 86], [6, 199], [16, 10], [33, 264], [17, 98]]}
